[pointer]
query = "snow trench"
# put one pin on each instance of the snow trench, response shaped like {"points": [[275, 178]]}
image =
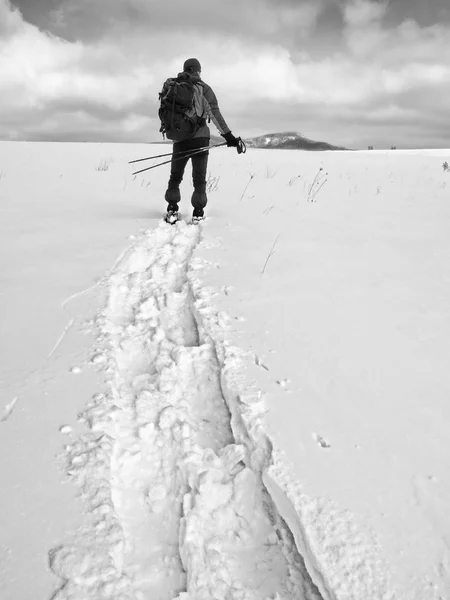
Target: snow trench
{"points": [[172, 465]]}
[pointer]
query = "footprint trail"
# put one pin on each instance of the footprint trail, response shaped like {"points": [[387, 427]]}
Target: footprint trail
{"points": [[183, 511]]}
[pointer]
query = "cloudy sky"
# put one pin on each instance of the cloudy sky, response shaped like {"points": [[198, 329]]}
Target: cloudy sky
{"points": [[349, 72]]}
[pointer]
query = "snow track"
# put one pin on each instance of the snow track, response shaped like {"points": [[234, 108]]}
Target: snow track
{"points": [[177, 504]]}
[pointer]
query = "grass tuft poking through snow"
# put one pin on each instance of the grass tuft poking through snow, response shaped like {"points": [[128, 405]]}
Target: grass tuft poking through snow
{"points": [[271, 252], [252, 176], [317, 184], [212, 183], [104, 165]]}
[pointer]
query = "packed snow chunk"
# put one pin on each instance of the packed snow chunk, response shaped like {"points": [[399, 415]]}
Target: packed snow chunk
{"points": [[65, 429], [168, 417], [148, 311], [233, 456], [82, 563], [75, 370], [147, 431], [186, 431], [99, 359], [157, 493], [217, 494]]}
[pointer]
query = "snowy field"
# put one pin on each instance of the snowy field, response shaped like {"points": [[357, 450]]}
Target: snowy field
{"points": [[254, 408]]}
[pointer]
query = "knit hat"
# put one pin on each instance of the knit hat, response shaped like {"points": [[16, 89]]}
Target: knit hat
{"points": [[192, 64]]}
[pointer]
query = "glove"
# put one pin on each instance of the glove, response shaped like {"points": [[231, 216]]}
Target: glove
{"points": [[230, 140]]}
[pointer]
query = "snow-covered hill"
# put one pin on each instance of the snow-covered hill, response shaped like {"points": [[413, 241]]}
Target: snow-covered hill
{"points": [[288, 140]]}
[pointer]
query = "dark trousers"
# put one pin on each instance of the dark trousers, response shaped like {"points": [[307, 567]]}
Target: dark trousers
{"points": [[199, 166]]}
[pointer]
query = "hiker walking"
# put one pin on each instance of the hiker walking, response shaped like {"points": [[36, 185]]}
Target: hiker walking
{"points": [[187, 103]]}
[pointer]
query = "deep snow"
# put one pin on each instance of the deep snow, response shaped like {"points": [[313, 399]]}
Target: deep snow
{"points": [[265, 410]]}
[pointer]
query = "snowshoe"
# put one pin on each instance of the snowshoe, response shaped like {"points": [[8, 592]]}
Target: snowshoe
{"points": [[197, 216], [171, 217]]}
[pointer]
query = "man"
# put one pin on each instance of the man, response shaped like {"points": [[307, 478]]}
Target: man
{"points": [[206, 106]]}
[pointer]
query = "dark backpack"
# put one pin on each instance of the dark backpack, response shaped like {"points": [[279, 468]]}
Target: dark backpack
{"points": [[179, 121]]}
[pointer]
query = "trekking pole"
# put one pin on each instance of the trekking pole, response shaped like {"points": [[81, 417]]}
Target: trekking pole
{"points": [[191, 153], [166, 162], [163, 155]]}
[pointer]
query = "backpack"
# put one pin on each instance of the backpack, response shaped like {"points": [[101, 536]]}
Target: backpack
{"points": [[179, 120]]}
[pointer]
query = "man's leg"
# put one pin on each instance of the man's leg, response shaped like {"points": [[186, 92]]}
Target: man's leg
{"points": [[199, 167], [179, 162]]}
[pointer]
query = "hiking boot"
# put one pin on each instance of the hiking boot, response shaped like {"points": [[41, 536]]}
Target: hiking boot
{"points": [[198, 215], [171, 217]]}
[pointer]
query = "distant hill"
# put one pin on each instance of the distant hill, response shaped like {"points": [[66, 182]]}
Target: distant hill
{"points": [[288, 140]]}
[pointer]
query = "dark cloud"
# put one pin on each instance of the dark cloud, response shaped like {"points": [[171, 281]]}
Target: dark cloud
{"points": [[277, 20], [37, 12], [425, 13], [258, 19]]}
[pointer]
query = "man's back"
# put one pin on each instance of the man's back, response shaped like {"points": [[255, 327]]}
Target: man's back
{"points": [[207, 106]]}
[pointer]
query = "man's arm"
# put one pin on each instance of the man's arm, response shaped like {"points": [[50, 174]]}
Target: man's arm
{"points": [[212, 110]]}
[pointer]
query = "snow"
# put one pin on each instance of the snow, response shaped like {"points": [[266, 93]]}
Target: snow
{"points": [[255, 407]]}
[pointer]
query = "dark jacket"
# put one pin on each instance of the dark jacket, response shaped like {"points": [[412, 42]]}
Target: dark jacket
{"points": [[206, 106]]}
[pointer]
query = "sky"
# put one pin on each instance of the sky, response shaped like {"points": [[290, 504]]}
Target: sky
{"points": [[349, 72]]}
